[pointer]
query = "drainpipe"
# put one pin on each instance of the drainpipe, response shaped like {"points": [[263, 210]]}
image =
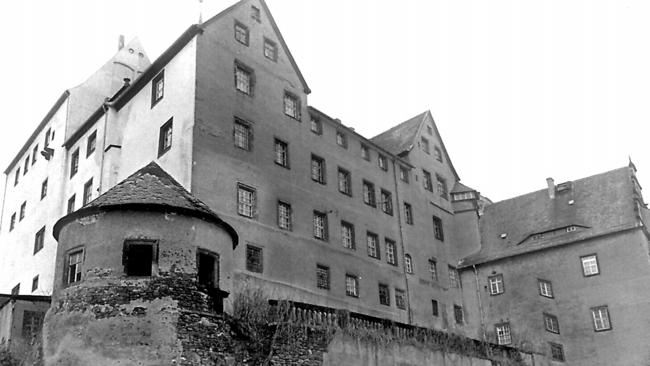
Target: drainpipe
{"points": [[480, 305], [106, 108], [401, 240]]}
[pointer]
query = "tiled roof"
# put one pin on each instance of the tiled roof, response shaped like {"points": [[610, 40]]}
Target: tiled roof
{"points": [[460, 187], [401, 137], [600, 204], [149, 188]]}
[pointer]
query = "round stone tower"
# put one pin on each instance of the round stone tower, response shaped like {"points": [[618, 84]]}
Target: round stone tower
{"points": [[133, 268]]}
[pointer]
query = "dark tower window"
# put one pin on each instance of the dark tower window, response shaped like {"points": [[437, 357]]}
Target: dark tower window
{"points": [[139, 257], [208, 264]]}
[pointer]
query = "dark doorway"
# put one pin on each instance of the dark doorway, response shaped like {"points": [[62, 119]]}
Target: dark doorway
{"points": [[208, 276]]}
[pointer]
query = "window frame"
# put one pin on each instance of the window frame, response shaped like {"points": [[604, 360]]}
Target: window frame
{"points": [[254, 252], [321, 231], [34, 153], [382, 162], [246, 75], [369, 197], [152, 244], [438, 230], [281, 157], [240, 28], [506, 337], [584, 270], [71, 204], [285, 223], [39, 240], [44, 188], [273, 48], [427, 180], [391, 252], [441, 186], [91, 143], [551, 323], [166, 137], [348, 226], [288, 96], [23, 211], [386, 201], [35, 283], [88, 192], [425, 145], [594, 320], [365, 152], [352, 291], [318, 163], [322, 276], [245, 141], [403, 174], [454, 277], [408, 263], [384, 294], [79, 266], [375, 240], [459, 314], [496, 285], [555, 355], [547, 284], [74, 162], [433, 269], [252, 205], [346, 188], [437, 153], [317, 123], [408, 213], [157, 80], [400, 299], [12, 222], [341, 139]]}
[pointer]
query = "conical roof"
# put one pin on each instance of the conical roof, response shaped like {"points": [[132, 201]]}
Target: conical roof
{"points": [[149, 189]]}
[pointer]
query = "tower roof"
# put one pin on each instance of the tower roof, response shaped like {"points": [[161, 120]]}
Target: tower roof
{"points": [[149, 189]]}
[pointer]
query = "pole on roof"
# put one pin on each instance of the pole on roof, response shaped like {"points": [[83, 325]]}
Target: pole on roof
{"points": [[200, 11]]}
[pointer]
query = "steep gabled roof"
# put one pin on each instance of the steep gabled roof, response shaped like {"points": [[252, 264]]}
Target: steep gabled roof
{"points": [[149, 189], [595, 206]]}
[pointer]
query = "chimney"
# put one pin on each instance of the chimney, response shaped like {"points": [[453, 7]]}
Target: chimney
{"points": [[551, 187], [120, 42]]}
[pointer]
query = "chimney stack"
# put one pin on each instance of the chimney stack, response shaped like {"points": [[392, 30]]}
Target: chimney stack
{"points": [[120, 42], [551, 187]]}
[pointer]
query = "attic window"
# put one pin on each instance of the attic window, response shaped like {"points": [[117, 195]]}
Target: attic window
{"points": [[552, 233], [270, 50], [255, 14]]}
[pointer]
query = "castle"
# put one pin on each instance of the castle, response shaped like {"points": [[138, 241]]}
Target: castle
{"points": [[320, 214]]}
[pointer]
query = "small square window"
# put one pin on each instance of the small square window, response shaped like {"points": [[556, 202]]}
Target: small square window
{"points": [[270, 50], [347, 235], [243, 79], [241, 33], [433, 270], [246, 201], [428, 185], [316, 126], [400, 299], [438, 232], [323, 277], [551, 323], [254, 259], [71, 203], [44, 189], [341, 139], [351, 285], [391, 252], [458, 314], [425, 145], [242, 134], [12, 222], [35, 283], [369, 193], [139, 257], [454, 279], [383, 163], [496, 284], [74, 163], [600, 316], [165, 137], [384, 294], [434, 308], [365, 152], [590, 265], [284, 215], [157, 88], [317, 169], [386, 202], [39, 240], [345, 182], [281, 153], [320, 225], [408, 264], [545, 288], [91, 144], [291, 106], [503, 333], [437, 153], [557, 352], [408, 213], [373, 249], [73, 264], [255, 13], [88, 191], [23, 209], [403, 174]]}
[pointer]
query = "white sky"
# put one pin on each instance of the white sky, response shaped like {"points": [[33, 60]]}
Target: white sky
{"points": [[521, 90]]}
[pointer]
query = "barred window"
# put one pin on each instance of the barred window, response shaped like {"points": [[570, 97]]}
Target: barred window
{"points": [[496, 284], [400, 299], [242, 134], [351, 285], [243, 79], [317, 169], [320, 225], [433, 269], [369, 193], [503, 333], [557, 352], [386, 202], [284, 215], [345, 185], [384, 294], [241, 33], [391, 256], [254, 259], [323, 277], [347, 235], [373, 250], [291, 105], [281, 153], [245, 201]]}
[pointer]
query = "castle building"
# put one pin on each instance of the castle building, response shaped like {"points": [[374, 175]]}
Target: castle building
{"points": [[381, 226]]}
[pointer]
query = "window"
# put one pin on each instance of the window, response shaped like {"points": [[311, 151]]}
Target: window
{"points": [[391, 252], [243, 79], [462, 196], [438, 233], [383, 164], [17, 176], [44, 189], [270, 50], [12, 222], [320, 225], [91, 144], [74, 163], [254, 259], [165, 137], [600, 316], [347, 235], [32, 325], [15, 290], [281, 153], [425, 145], [242, 134], [386, 202], [365, 153], [245, 201], [35, 283], [557, 352], [23, 208], [341, 139], [207, 267], [284, 215], [503, 333], [34, 154], [345, 184], [408, 213], [408, 263], [441, 184], [373, 249], [351, 285], [46, 142], [369, 193], [255, 13], [437, 154], [433, 269], [589, 265], [428, 185], [496, 284], [316, 126], [434, 308], [323, 277], [458, 314], [73, 263], [545, 288], [139, 257], [317, 169], [157, 88], [384, 294], [400, 299], [241, 33], [291, 105], [71, 204], [39, 239], [88, 191], [403, 174], [454, 280], [551, 323], [26, 168]]}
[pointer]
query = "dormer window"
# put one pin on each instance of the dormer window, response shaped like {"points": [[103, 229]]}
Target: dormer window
{"points": [[462, 196]]}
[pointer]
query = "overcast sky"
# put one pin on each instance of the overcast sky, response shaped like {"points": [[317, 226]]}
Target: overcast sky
{"points": [[520, 90]]}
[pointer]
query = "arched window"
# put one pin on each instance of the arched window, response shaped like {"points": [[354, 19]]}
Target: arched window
{"points": [[408, 264]]}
